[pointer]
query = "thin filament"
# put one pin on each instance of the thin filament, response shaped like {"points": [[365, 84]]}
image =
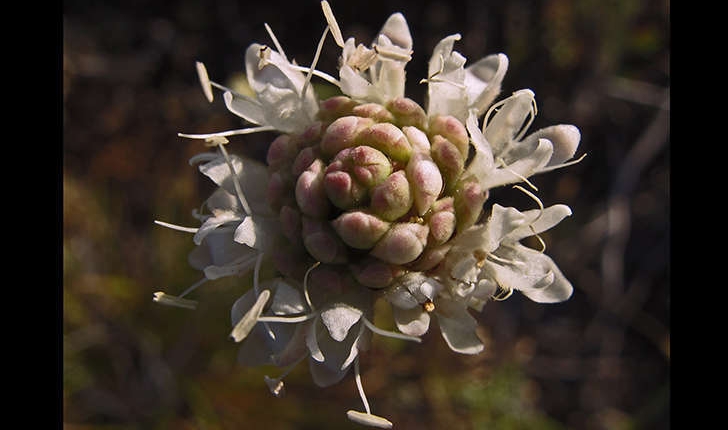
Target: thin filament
{"points": [[387, 333], [176, 227], [305, 286], [360, 387], [319, 48], [236, 183], [237, 132], [275, 41], [192, 287]]}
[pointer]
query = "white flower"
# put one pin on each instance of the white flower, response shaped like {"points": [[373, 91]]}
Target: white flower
{"points": [[493, 252], [367, 195]]}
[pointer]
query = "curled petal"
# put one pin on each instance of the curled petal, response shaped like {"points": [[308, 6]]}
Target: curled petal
{"points": [[458, 327], [414, 321], [483, 81]]}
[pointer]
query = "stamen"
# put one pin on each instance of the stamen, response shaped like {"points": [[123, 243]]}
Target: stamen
{"points": [[387, 333], [279, 48], [263, 56], [361, 417], [204, 80], [287, 320], [176, 227], [323, 75], [248, 321], [238, 132], [276, 385], [531, 118], [305, 285], [166, 299], [505, 260], [504, 166], [236, 182], [256, 277], [319, 48], [333, 25], [192, 287], [360, 387], [493, 109], [558, 166], [501, 294], [428, 306]]}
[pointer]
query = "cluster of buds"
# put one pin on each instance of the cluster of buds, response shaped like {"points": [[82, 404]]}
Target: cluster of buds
{"points": [[368, 196]]}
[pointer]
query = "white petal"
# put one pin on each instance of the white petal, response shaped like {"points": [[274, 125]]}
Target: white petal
{"points": [[248, 109], [509, 120], [312, 341], [537, 277], [446, 91], [545, 220], [323, 375], [501, 223], [482, 163], [339, 319], [564, 137], [397, 30], [412, 322], [257, 232], [236, 267], [523, 168], [213, 222], [483, 81], [458, 327]]}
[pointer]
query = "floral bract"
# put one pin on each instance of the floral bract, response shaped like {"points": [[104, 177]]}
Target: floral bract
{"points": [[368, 196]]}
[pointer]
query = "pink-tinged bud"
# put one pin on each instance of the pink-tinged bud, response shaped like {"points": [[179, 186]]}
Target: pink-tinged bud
{"points": [[389, 139], [360, 230], [352, 173], [407, 113], [430, 258], [310, 193], [374, 111], [469, 200], [343, 192], [426, 181], [449, 159], [442, 221], [392, 198], [321, 241], [280, 152], [402, 243], [417, 138], [290, 220], [303, 160], [335, 107], [310, 135], [343, 133], [367, 165], [453, 130], [374, 273]]}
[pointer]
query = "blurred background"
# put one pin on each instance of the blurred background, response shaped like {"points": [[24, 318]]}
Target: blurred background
{"points": [[598, 361]]}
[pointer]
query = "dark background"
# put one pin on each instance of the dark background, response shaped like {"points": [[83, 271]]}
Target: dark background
{"points": [[598, 361]]}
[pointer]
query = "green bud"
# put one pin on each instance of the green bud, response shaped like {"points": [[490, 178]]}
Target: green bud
{"points": [[387, 138], [449, 159], [453, 130], [408, 113], [343, 133], [392, 198], [402, 243], [360, 230]]}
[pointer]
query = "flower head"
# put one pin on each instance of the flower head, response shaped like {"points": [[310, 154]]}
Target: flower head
{"points": [[369, 196]]}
